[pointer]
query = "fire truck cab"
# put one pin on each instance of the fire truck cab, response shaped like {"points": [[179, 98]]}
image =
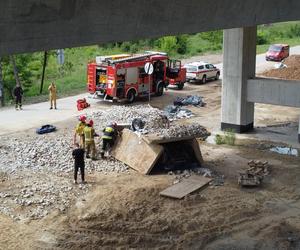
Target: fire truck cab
{"points": [[125, 78]]}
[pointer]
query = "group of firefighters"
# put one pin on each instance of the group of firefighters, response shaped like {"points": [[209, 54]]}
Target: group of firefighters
{"points": [[86, 132]]}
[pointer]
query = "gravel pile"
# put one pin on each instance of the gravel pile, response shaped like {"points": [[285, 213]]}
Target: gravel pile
{"points": [[184, 130], [153, 118], [126, 114], [35, 195], [292, 72], [48, 152]]}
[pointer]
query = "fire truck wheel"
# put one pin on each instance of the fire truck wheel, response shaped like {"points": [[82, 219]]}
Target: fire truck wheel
{"points": [[160, 89], [131, 96]]}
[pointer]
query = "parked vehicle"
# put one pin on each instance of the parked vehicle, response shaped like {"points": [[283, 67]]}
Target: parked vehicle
{"points": [[125, 77], [201, 71], [278, 52]]}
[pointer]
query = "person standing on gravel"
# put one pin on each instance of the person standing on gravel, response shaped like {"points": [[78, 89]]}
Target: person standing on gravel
{"points": [[89, 135], [18, 93], [78, 155], [52, 95], [79, 130]]}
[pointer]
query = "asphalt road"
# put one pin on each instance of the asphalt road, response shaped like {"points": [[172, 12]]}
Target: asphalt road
{"points": [[36, 115]]}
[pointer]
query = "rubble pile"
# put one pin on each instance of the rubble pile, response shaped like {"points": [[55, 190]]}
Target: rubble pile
{"points": [[48, 153], [36, 196], [291, 72], [125, 114], [179, 130], [217, 180]]}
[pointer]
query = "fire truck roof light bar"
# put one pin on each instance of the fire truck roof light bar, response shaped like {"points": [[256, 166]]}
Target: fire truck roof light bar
{"points": [[133, 58]]}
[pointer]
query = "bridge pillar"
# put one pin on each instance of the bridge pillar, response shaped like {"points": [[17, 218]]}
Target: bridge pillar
{"points": [[238, 66]]}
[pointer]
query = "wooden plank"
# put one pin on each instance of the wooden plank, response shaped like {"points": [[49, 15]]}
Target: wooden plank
{"points": [[186, 187]]}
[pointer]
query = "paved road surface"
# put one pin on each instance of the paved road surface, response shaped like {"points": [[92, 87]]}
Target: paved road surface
{"points": [[35, 115]]}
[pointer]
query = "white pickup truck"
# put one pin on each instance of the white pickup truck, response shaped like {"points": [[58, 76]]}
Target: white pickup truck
{"points": [[201, 71]]}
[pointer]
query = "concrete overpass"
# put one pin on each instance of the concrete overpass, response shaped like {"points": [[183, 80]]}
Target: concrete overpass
{"points": [[35, 25]]}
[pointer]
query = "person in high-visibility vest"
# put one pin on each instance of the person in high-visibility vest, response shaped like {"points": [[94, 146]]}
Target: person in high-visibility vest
{"points": [[89, 135], [108, 138], [52, 95], [79, 131]]}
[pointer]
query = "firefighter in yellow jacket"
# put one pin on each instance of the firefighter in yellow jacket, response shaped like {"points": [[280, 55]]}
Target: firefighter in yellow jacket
{"points": [[52, 95], [79, 131], [108, 138], [89, 135]]}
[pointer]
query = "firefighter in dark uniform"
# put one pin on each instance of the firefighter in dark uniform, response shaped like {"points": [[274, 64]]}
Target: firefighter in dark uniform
{"points": [[108, 138]]}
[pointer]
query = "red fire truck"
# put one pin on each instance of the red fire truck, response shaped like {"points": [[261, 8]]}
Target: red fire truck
{"points": [[123, 76]]}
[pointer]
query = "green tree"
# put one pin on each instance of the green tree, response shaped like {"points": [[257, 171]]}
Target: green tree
{"points": [[168, 44]]}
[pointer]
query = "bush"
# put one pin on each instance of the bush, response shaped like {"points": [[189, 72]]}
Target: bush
{"points": [[262, 38], [219, 139], [168, 44], [228, 138], [182, 44], [293, 31]]}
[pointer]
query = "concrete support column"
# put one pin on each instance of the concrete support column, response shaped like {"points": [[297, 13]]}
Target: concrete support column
{"points": [[238, 66]]}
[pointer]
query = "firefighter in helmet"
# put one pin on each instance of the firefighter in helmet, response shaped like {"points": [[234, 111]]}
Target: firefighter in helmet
{"points": [[89, 135], [79, 130], [108, 138]]}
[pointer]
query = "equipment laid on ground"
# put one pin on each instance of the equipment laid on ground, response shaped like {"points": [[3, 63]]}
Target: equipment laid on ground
{"points": [[123, 76], [46, 129], [254, 175], [82, 104]]}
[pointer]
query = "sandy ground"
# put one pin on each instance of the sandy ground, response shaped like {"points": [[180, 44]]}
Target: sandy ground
{"points": [[124, 210]]}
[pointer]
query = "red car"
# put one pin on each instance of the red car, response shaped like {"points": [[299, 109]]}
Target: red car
{"points": [[278, 52]]}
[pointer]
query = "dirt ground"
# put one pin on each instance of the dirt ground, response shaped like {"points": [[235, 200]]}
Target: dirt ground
{"points": [[124, 210], [291, 72]]}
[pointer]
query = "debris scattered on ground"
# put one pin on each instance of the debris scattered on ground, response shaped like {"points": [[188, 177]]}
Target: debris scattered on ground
{"points": [[280, 65], [189, 100], [217, 180], [176, 112], [291, 72], [285, 150], [254, 175], [45, 129]]}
